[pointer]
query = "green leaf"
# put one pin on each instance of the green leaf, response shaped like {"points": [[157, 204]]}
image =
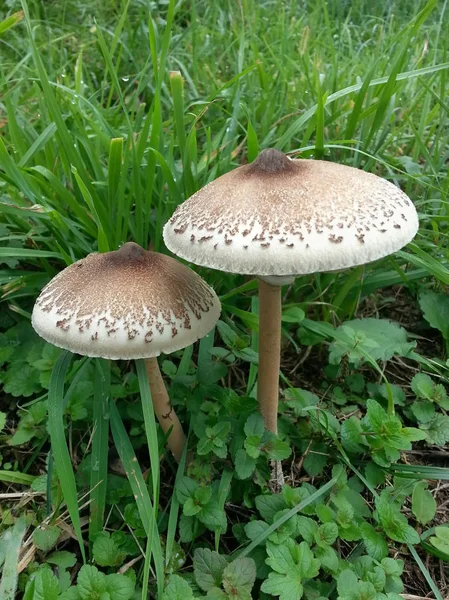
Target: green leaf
{"points": [[91, 582], [106, 553], [393, 522], [191, 507], [379, 339], [441, 539], [435, 308], [62, 559], [239, 577], [351, 436], [208, 568], [277, 449], [378, 578], [375, 543], [177, 589], [185, 489], [346, 582], [286, 586], [46, 536], [437, 430], [326, 534], [255, 528], [306, 528], [424, 505], [2, 420], [21, 379], [423, 410], [270, 504], [392, 566], [253, 446], [423, 386], [244, 464], [213, 516], [328, 558], [44, 586], [119, 587], [254, 425]]}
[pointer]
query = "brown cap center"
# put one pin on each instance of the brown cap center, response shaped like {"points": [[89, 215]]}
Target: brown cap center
{"points": [[271, 161]]}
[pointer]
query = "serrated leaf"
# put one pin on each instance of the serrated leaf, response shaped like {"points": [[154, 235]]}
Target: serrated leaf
{"points": [[424, 505], [44, 586], [90, 582], [346, 582], [255, 528], [437, 430], [208, 568], [46, 536], [435, 307], [254, 425], [375, 543], [239, 577], [422, 385], [306, 528], [351, 436], [177, 589], [286, 586], [244, 464], [379, 338], [105, 551], [270, 504], [185, 489], [423, 410], [119, 587], [326, 534]]}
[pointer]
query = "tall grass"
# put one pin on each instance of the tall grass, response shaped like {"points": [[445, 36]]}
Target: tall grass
{"points": [[112, 113]]}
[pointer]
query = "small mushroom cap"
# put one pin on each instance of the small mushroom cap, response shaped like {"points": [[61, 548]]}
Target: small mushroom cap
{"points": [[125, 304], [278, 217]]}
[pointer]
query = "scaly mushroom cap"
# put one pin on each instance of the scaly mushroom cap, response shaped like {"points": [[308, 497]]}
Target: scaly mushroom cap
{"points": [[125, 304], [279, 217]]}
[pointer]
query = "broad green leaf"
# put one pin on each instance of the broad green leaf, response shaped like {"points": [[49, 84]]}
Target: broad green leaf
{"points": [[177, 589], [208, 568], [424, 505], [46, 536], [244, 464], [106, 553], [44, 586], [435, 307], [239, 576]]}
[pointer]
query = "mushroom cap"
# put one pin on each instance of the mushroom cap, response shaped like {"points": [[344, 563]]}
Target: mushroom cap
{"points": [[278, 217], [125, 304]]}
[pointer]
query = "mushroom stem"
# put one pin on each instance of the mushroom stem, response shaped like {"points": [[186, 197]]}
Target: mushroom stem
{"points": [[270, 309], [163, 410]]}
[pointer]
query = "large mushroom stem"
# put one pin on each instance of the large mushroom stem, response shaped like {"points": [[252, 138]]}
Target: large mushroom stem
{"points": [[163, 410], [270, 310]]}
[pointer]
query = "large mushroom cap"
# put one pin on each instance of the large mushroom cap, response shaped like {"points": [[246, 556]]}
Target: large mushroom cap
{"points": [[278, 217], [125, 304]]}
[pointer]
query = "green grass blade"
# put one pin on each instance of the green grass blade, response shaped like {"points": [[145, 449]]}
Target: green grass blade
{"points": [[63, 463], [140, 491], [99, 455], [150, 428], [288, 515]]}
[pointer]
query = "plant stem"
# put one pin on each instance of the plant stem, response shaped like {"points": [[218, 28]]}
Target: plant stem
{"points": [[270, 307], [165, 413]]}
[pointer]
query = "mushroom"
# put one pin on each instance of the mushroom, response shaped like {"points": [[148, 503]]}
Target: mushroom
{"points": [[129, 304], [277, 218]]}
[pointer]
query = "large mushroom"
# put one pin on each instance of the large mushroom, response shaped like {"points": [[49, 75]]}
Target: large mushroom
{"points": [[129, 304], [278, 218]]}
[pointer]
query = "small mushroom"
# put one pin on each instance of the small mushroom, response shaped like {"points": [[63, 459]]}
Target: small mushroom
{"points": [[129, 304], [278, 218]]}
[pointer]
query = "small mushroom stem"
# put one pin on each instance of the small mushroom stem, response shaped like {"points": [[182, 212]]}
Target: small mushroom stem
{"points": [[163, 410], [270, 310]]}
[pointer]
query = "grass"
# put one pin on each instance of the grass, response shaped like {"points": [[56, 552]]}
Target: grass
{"points": [[112, 113]]}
